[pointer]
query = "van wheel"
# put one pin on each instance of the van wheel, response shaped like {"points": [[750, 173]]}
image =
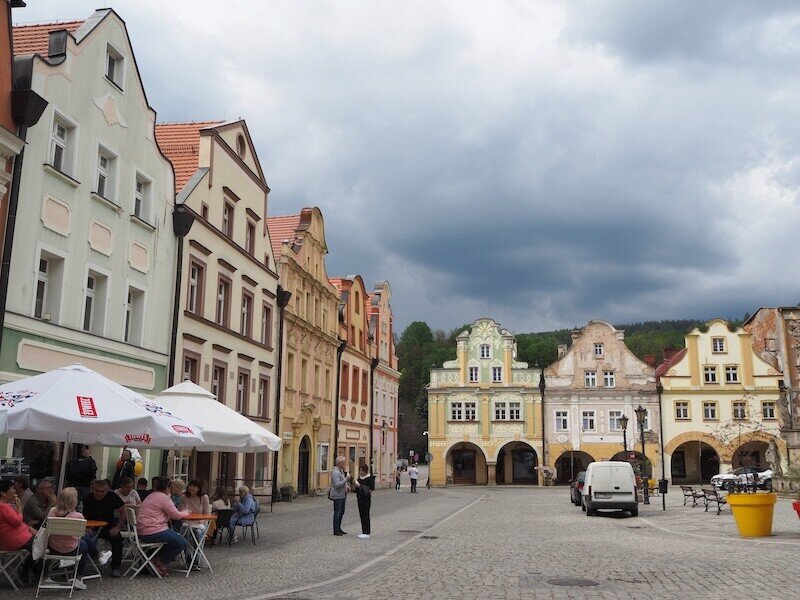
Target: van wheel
{"points": [[635, 511], [590, 512], [583, 506]]}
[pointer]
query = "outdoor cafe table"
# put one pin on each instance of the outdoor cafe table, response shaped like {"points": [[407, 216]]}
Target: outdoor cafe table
{"points": [[199, 542], [96, 524]]}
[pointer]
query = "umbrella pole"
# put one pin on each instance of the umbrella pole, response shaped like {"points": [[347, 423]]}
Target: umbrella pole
{"points": [[64, 453]]}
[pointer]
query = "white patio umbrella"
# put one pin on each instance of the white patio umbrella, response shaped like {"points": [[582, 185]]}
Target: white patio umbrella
{"points": [[77, 405], [224, 429]]}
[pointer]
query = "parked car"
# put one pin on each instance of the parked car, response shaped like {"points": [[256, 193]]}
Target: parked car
{"points": [[744, 475], [575, 488], [609, 485]]}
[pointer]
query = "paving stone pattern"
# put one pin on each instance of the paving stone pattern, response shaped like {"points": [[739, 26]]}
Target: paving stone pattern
{"points": [[477, 542]]}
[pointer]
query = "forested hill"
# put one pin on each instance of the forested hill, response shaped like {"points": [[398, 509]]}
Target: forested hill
{"points": [[421, 348]]}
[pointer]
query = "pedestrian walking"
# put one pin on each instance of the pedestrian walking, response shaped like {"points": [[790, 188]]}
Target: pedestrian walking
{"points": [[364, 486], [338, 493], [413, 475], [397, 472]]}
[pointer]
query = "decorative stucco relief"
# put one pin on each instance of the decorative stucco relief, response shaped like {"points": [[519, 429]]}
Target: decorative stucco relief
{"points": [[108, 106], [139, 257], [56, 215], [100, 237]]}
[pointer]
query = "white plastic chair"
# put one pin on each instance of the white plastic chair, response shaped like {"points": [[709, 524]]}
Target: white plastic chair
{"points": [[10, 561], [60, 526], [144, 552]]}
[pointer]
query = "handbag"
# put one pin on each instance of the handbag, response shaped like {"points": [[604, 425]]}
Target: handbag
{"points": [[39, 541]]}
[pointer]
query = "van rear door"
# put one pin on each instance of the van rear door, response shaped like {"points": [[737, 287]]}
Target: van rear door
{"points": [[612, 482]]}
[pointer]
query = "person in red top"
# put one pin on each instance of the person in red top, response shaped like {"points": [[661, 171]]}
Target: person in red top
{"points": [[14, 533], [153, 524]]}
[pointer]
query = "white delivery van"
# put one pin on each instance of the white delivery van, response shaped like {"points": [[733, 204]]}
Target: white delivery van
{"points": [[609, 485]]}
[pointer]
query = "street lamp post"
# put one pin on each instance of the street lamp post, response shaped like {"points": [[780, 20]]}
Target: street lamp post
{"points": [[662, 484], [542, 388], [641, 414], [623, 421]]}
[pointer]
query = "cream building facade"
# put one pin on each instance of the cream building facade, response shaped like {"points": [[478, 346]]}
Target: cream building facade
{"points": [[227, 314], [591, 386], [307, 399], [93, 269], [720, 405], [484, 412]]}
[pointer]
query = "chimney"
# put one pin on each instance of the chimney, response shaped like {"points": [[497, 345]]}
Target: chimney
{"points": [[669, 353], [562, 350], [650, 359]]}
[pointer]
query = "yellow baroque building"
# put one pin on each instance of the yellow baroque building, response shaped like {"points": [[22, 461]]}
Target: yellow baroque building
{"points": [[720, 406], [484, 413]]}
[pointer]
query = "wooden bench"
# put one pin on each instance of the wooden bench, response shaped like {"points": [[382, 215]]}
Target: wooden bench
{"points": [[712, 494], [689, 492]]}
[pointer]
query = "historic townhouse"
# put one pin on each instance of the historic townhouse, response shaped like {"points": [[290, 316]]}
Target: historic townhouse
{"points": [[227, 314], [94, 253], [484, 412], [720, 405], [310, 350], [590, 388], [385, 383], [776, 339], [353, 422]]}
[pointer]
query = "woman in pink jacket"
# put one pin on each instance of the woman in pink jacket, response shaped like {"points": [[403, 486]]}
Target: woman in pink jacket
{"points": [[153, 524]]}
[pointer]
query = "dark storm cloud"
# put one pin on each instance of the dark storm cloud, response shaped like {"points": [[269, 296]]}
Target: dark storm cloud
{"points": [[543, 163]]}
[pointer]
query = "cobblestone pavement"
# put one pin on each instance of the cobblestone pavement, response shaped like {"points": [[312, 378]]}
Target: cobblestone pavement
{"points": [[477, 542]]}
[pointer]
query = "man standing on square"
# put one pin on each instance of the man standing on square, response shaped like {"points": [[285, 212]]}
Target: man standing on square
{"points": [[338, 493], [413, 475]]}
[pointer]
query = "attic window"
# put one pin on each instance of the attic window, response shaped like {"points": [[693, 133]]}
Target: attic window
{"points": [[241, 147], [115, 67]]}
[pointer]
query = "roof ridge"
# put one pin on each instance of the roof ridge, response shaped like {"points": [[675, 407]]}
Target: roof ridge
{"points": [[284, 216], [49, 23], [188, 123]]}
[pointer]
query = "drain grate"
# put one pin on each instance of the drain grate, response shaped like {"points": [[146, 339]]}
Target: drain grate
{"points": [[570, 582], [411, 531], [429, 537]]}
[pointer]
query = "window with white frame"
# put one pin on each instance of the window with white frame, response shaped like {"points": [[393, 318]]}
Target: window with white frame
{"points": [[646, 424], [115, 67], [598, 350], [731, 374], [266, 324], [106, 173], [768, 410], [250, 238], [94, 303], [227, 218], [242, 393], [710, 374], [718, 344], [246, 319], [195, 291], [497, 374], [473, 374], [562, 420], [739, 410], [486, 351], [456, 411], [514, 411], [263, 398], [49, 277], [223, 301], [141, 198], [609, 380], [218, 383], [587, 420], [134, 315], [62, 145], [614, 423], [469, 411], [590, 378], [322, 452], [682, 410], [42, 278], [710, 411], [500, 413]]}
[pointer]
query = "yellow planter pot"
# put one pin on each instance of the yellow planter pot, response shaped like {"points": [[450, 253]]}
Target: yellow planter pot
{"points": [[753, 513]]}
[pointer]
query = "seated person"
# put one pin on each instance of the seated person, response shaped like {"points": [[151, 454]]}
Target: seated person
{"points": [[38, 505], [176, 487], [141, 488], [129, 495], [154, 524], [67, 506], [221, 500], [14, 533], [196, 502], [23, 489], [102, 505], [244, 511]]}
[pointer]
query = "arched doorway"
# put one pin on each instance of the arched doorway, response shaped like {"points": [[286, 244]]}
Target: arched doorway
{"points": [[694, 462], [303, 466], [636, 459], [569, 464], [516, 464], [751, 454], [466, 464]]}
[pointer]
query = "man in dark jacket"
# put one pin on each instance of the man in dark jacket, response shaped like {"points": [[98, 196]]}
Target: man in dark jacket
{"points": [[82, 471]]}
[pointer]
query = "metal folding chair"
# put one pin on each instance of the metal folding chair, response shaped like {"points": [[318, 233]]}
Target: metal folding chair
{"points": [[10, 560], [60, 526], [144, 552]]}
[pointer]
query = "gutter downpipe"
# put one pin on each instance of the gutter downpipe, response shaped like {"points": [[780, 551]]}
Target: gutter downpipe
{"points": [[663, 482], [339, 352], [372, 366], [182, 221], [282, 298]]}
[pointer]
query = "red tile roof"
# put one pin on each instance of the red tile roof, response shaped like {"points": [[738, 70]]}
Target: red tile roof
{"points": [[370, 309], [34, 38], [336, 282], [180, 143], [669, 363], [281, 228]]}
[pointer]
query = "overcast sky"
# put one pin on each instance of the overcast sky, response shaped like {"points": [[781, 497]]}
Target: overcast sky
{"points": [[542, 163]]}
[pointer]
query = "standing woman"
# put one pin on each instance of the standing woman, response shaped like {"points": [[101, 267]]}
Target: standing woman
{"points": [[125, 466], [364, 486], [397, 479]]}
